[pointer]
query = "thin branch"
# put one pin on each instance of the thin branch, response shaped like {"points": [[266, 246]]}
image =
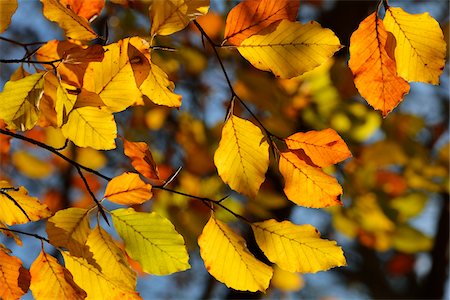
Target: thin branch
{"points": [[17, 61], [26, 233], [21, 44]]}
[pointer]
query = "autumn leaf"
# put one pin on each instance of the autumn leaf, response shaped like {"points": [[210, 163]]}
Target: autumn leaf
{"points": [[297, 248], [169, 16], [7, 10], [128, 189], [375, 71], [91, 127], [66, 97], [85, 8], [10, 234], [420, 48], [141, 158], [111, 258], [250, 16], [19, 101], [227, 258], [289, 49], [242, 157], [14, 279], [30, 165], [324, 147], [96, 283], [286, 281], [17, 207], [165, 248], [308, 185], [74, 26], [50, 280]]}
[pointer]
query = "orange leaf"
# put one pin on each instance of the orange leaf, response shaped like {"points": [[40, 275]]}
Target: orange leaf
{"points": [[374, 70], [324, 147], [85, 8], [251, 16], [307, 185], [50, 280], [141, 158], [128, 189], [14, 279]]}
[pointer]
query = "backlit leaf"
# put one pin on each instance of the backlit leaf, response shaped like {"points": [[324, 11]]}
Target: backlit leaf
{"points": [[242, 157], [165, 250], [289, 49], [11, 214], [251, 16], [91, 127], [169, 16], [14, 279], [324, 147], [19, 102], [374, 70], [420, 48], [85, 8], [66, 96], [50, 280], [141, 158], [227, 258], [69, 228], [128, 189], [7, 9], [96, 283], [111, 258], [307, 185], [74, 26], [297, 248]]}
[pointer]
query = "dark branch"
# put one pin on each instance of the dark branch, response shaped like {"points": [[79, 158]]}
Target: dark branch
{"points": [[26, 233]]}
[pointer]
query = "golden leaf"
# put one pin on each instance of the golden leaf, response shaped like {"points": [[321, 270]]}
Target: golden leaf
{"points": [[15, 279], [7, 10], [128, 189]]}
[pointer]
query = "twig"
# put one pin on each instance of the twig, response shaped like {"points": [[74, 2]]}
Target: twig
{"points": [[26, 233]]}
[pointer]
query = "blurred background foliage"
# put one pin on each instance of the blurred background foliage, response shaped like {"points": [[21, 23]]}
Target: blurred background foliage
{"points": [[394, 225]]}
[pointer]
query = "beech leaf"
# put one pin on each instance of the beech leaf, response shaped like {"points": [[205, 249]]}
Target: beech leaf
{"points": [[7, 10], [128, 189], [141, 158], [14, 279]]}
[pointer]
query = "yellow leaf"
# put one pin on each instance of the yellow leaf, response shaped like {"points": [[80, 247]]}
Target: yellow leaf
{"points": [[96, 283], [227, 258], [409, 240], [286, 281], [69, 228], [324, 147], [242, 158], [14, 279], [7, 9], [66, 96], [74, 26], [50, 280], [19, 102], [128, 189], [30, 165], [375, 71], [297, 248], [307, 185], [91, 158], [91, 127], [165, 251], [169, 16], [420, 48], [111, 258], [290, 49], [25, 209]]}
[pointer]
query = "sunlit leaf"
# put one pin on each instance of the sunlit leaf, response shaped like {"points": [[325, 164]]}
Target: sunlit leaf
{"points": [[91, 127], [169, 16], [307, 185], [74, 26], [111, 258], [324, 147], [374, 70], [19, 102], [50, 280], [141, 158], [289, 49], [14, 279], [297, 248], [96, 283], [242, 157], [250, 16], [165, 251], [227, 258], [66, 96], [7, 9], [420, 48], [128, 188], [85, 8], [25, 209]]}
